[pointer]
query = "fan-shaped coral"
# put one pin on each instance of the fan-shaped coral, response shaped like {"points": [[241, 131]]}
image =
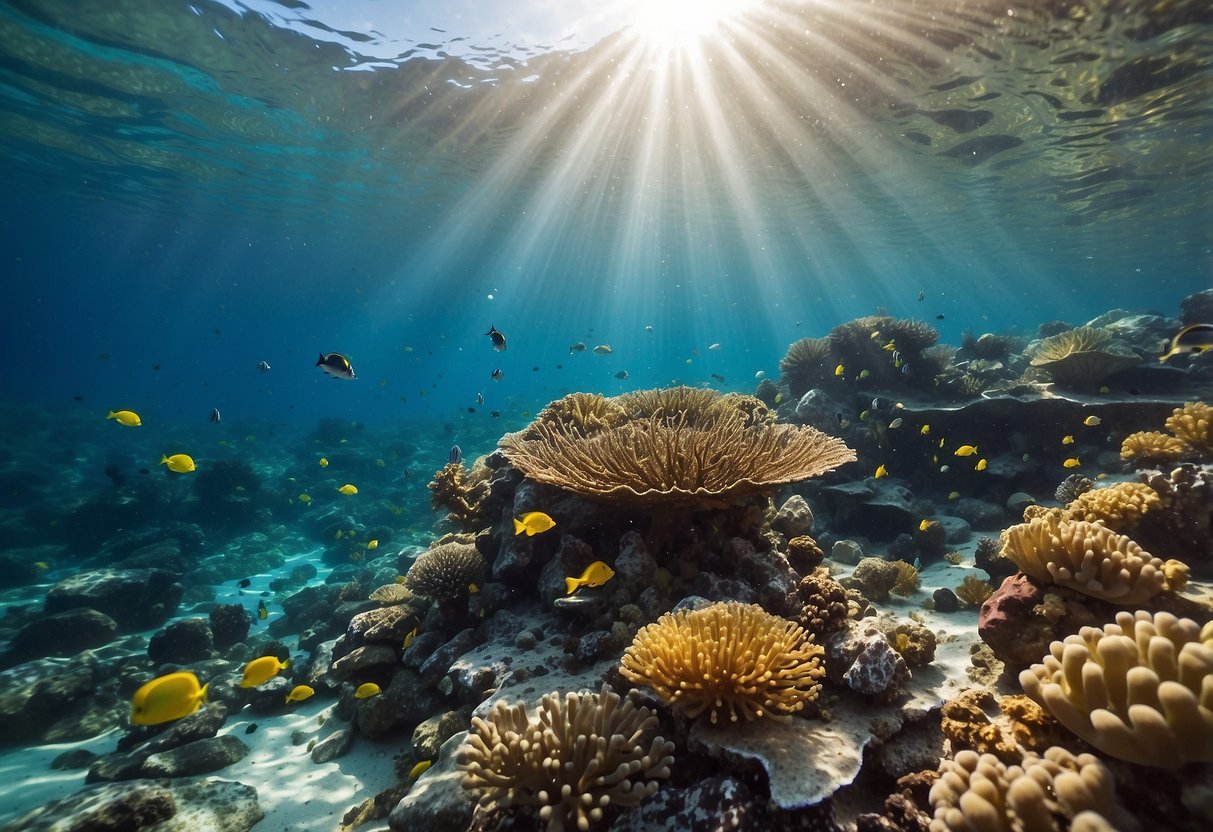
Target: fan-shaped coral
{"points": [[1119, 507], [1193, 425], [701, 406], [1082, 357], [654, 459], [445, 571], [806, 364], [1089, 558], [577, 757], [588, 412], [910, 335], [728, 659], [1147, 447], [1140, 689], [392, 594], [978, 792]]}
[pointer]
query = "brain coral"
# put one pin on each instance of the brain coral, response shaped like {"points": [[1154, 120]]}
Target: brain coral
{"points": [[1089, 558], [1140, 689], [578, 756], [977, 792], [730, 658], [1150, 446], [1119, 507], [445, 571], [675, 461]]}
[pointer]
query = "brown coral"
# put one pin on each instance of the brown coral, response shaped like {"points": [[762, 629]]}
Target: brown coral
{"points": [[1082, 357], [1147, 447], [804, 554], [907, 579], [973, 591], [824, 606], [700, 406], [445, 572], [1193, 425], [392, 594], [806, 364], [728, 659], [966, 723], [588, 412], [1140, 689], [577, 757], [1089, 558], [1119, 507], [458, 492], [655, 459]]}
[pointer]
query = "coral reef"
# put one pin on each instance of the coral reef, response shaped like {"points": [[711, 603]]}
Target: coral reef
{"points": [[732, 660], [582, 754], [807, 364], [1072, 487], [588, 412], [908, 579], [1185, 523], [392, 594], [1119, 507], [445, 571], [874, 577], [1192, 424], [1140, 689], [862, 658], [804, 554], [1191, 436], [459, 493], [1081, 358], [967, 725], [1149, 447], [701, 406]]}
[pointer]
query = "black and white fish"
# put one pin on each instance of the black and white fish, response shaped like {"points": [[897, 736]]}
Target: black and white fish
{"points": [[215, 417], [497, 375], [263, 366], [336, 365], [455, 456], [578, 347], [480, 399], [1195, 338], [497, 338]]}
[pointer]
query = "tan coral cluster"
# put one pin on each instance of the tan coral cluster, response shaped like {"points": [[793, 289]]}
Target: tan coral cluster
{"points": [[1056, 791], [1191, 435], [806, 363], [445, 572], [589, 412], [973, 591], [1140, 689], [1119, 507], [1150, 446], [727, 660], [702, 406], [459, 492], [1082, 357], [1089, 558], [1193, 425], [581, 754]]}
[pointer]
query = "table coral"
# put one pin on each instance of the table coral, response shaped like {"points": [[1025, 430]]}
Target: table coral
{"points": [[1082, 357], [580, 755], [1140, 689], [732, 660]]}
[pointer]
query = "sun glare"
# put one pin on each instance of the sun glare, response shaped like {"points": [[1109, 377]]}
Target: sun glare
{"points": [[677, 23]]}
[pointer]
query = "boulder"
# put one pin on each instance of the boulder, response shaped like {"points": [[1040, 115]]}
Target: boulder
{"points": [[437, 802], [61, 634], [135, 598], [333, 746], [182, 642], [37, 695], [794, 518], [198, 757], [405, 701], [979, 514], [715, 804], [429, 736], [1021, 619]]}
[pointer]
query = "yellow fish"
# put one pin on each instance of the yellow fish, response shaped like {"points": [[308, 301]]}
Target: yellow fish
{"points": [[324, 463], [305, 498], [839, 370], [41, 565], [1092, 421], [925, 430], [129, 418], [864, 374], [180, 463], [299, 693], [167, 698], [409, 637], [380, 463], [955, 495], [882, 471], [473, 589], [419, 769], [1105, 389], [924, 525], [533, 522], [778, 397], [372, 544], [1067, 440], [400, 579], [980, 466], [337, 536], [1072, 462], [366, 690], [262, 612], [596, 574], [348, 489], [941, 441], [966, 450], [259, 671]]}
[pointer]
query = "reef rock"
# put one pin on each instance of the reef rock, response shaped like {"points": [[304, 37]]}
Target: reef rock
{"points": [[47, 701], [437, 802], [717, 804], [794, 518], [816, 408], [1021, 619], [182, 642], [61, 634], [846, 551], [198, 757], [336, 744], [405, 701], [979, 514], [861, 657], [135, 598], [873, 577]]}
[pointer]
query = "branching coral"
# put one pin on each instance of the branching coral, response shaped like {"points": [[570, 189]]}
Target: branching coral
{"points": [[1140, 689], [1147, 447], [1119, 507], [1089, 558], [728, 659], [700, 406], [806, 364], [458, 493], [1082, 357], [675, 461], [978, 792], [907, 579], [445, 571], [581, 755], [1193, 425]]}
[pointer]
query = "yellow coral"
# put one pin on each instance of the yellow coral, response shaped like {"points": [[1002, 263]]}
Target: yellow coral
{"points": [[974, 591], [907, 579], [1119, 507], [1140, 689], [1151, 446], [1193, 424], [588, 412], [727, 659]]}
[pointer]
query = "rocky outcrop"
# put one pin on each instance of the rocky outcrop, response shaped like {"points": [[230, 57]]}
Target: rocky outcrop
{"points": [[135, 598]]}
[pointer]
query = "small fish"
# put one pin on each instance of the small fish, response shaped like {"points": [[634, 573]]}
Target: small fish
{"points": [[497, 375], [621, 374], [905, 369], [966, 450], [336, 365], [366, 690], [596, 574], [1068, 439], [251, 728], [455, 456], [372, 545], [863, 374], [603, 349], [348, 488], [980, 466], [922, 296], [925, 430], [473, 589], [760, 374], [324, 463], [1072, 462], [955, 495], [305, 498], [1195, 338], [941, 441], [890, 347], [262, 612], [533, 522], [779, 397], [243, 583], [1105, 389], [648, 328], [924, 525], [125, 417], [263, 366], [896, 423], [1092, 421], [420, 769], [497, 338], [300, 693], [865, 415], [939, 317], [917, 565], [167, 698], [480, 399], [877, 402], [882, 471], [179, 463], [409, 637], [259, 671], [839, 370], [718, 377], [338, 535], [578, 347], [714, 347], [215, 417], [943, 469], [844, 423], [400, 579]]}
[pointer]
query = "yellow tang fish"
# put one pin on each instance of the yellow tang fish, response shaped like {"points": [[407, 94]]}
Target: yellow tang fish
{"points": [[955, 495], [180, 463], [348, 489], [839, 370], [324, 463], [925, 430], [966, 450], [299, 693], [419, 769], [882, 471], [305, 498], [596, 574], [924, 525], [167, 698], [1067, 440], [125, 417], [259, 671], [372, 544], [409, 637], [980, 466], [1092, 421], [366, 690], [1072, 462], [473, 589], [533, 522]]}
